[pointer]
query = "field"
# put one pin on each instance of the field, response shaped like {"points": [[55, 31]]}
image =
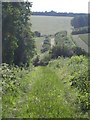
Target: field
{"points": [[77, 39], [84, 37], [50, 25]]}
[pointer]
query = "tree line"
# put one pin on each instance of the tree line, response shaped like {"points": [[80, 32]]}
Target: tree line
{"points": [[53, 13], [18, 45], [81, 24], [80, 21]]}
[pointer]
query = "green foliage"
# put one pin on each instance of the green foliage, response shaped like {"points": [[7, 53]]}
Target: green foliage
{"points": [[17, 44], [36, 60], [64, 51], [44, 59], [79, 80], [79, 42], [14, 85], [81, 30], [37, 34], [11, 79], [84, 37], [61, 38], [41, 60], [58, 90], [64, 47], [39, 97], [80, 21], [79, 51], [39, 41], [46, 45], [75, 73]]}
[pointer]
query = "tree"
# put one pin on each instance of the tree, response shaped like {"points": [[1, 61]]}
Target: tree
{"points": [[80, 21], [17, 38]]}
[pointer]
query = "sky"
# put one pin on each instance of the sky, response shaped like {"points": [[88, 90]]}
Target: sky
{"points": [[75, 6]]}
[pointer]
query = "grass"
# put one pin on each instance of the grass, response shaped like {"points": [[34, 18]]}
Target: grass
{"points": [[84, 37], [44, 92], [50, 24], [45, 97], [79, 42]]}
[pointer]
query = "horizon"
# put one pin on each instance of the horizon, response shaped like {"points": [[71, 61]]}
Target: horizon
{"points": [[75, 6], [60, 12]]}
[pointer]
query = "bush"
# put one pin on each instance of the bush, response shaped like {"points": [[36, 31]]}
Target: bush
{"points": [[37, 34], [46, 45], [79, 51], [79, 79], [36, 60], [80, 21], [42, 60], [64, 51], [82, 30]]}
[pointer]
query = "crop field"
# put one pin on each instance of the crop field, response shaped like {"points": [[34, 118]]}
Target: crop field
{"points": [[50, 25], [84, 37], [79, 42]]}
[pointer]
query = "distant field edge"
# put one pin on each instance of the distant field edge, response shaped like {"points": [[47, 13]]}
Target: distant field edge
{"points": [[52, 15], [45, 118]]}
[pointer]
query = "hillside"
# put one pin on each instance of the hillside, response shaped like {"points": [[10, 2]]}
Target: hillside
{"points": [[47, 92], [45, 67], [81, 42], [50, 25]]}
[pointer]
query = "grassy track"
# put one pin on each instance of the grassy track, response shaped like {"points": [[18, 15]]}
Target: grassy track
{"points": [[52, 41], [50, 24], [46, 96]]}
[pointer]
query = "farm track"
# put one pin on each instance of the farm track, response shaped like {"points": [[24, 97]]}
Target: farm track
{"points": [[52, 41], [47, 95]]}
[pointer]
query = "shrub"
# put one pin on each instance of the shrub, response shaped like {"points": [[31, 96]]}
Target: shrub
{"points": [[42, 60], [64, 51], [46, 45], [79, 79], [38, 34], [79, 51], [36, 60]]}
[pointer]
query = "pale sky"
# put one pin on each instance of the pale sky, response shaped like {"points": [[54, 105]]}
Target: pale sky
{"points": [[76, 6]]}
